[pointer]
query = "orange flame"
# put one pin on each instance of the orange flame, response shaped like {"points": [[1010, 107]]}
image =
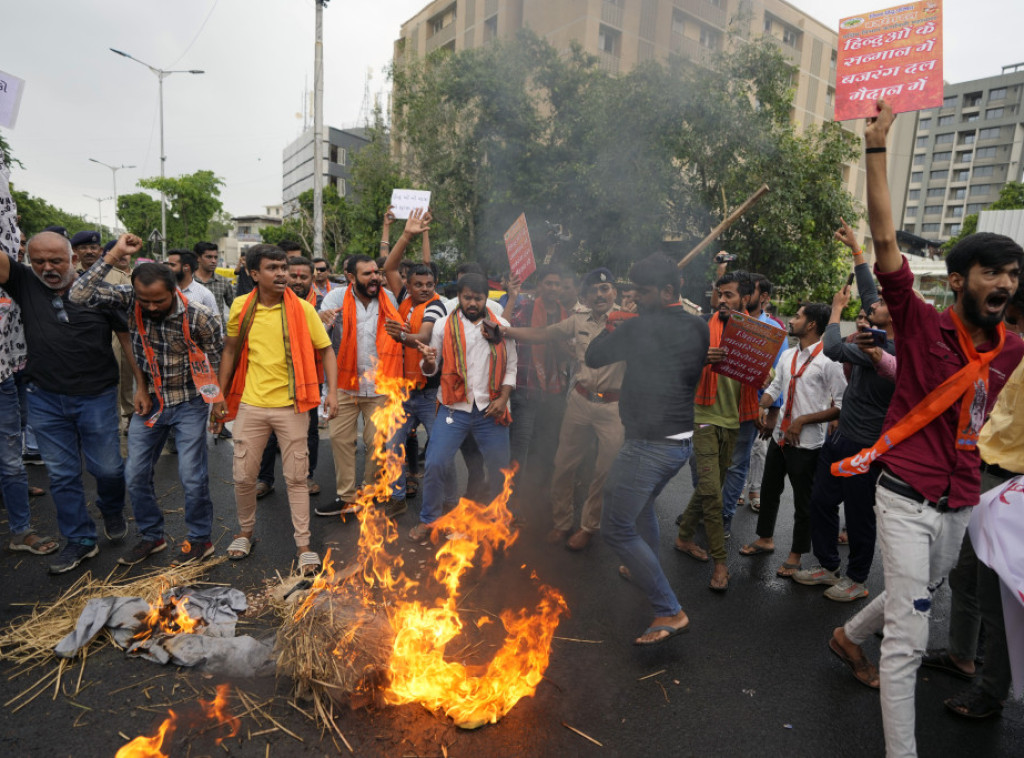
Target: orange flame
{"points": [[213, 710], [168, 618], [418, 669], [216, 710], [149, 747]]}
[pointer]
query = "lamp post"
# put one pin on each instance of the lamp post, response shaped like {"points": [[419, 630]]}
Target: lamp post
{"points": [[161, 74], [318, 132], [113, 170], [99, 207]]}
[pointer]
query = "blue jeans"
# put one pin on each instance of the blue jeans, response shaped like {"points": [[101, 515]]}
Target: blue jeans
{"points": [[628, 522], [68, 427], [736, 476], [422, 408], [31, 446], [188, 420], [450, 429], [13, 479]]}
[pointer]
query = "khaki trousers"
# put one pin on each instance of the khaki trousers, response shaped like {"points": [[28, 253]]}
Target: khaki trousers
{"points": [[253, 426], [581, 422], [344, 429]]}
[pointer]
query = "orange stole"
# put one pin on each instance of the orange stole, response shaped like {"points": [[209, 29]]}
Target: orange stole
{"points": [[414, 318], [390, 360], [707, 390], [453, 368]]}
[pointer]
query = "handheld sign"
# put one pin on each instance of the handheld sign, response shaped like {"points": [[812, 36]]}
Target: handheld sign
{"points": [[405, 201], [11, 88], [893, 55], [752, 348], [520, 250]]}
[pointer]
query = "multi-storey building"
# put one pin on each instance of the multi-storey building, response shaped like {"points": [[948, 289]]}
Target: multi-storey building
{"points": [[339, 146], [963, 153], [625, 33]]}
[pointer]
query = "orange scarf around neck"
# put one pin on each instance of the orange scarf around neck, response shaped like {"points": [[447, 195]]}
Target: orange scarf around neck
{"points": [[969, 385], [300, 355], [413, 316], [707, 390], [544, 360], [454, 367], [389, 353]]}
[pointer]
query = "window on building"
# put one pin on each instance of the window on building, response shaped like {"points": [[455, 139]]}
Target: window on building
{"points": [[997, 94], [832, 62], [933, 210], [989, 170], [911, 212], [958, 194], [914, 194], [919, 159], [709, 38], [938, 176], [929, 228], [991, 132], [790, 37], [952, 229], [678, 23], [945, 120], [924, 124], [970, 118], [936, 192], [944, 139], [967, 138], [921, 142], [915, 176], [980, 189], [942, 156], [992, 113], [957, 211], [961, 175], [949, 101], [986, 152], [972, 100], [767, 23], [964, 156], [975, 208], [609, 40], [830, 96]]}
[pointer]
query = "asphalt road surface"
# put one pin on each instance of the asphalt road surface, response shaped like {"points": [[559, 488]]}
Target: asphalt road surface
{"points": [[753, 677]]}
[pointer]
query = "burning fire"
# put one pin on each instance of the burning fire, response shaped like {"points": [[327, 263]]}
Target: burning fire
{"points": [[168, 618], [419, 671], [214, 711]]}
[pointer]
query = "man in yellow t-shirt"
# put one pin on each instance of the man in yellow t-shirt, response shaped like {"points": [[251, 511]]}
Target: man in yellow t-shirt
{"points": [[270, 375]]}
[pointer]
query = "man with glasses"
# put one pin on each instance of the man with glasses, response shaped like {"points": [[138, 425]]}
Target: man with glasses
{"points": [[321, 273], [72, 393]]}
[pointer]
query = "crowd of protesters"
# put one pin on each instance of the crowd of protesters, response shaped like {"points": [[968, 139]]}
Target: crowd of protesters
{"points": [[889, 422]]}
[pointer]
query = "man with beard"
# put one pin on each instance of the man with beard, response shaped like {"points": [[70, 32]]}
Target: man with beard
{"points": [[300, 279], [364, 351], [220, 286], [928, 452], [664, 349], [184, 265], [812, 386], [72, 393], [270, 375], [722, 405], [174, 340], [478, 372], [592, 409]]}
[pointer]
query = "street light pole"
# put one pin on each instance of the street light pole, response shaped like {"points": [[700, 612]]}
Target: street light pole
{"points": [[99, 206], [113, 171], [161, 74], [318, 133]]}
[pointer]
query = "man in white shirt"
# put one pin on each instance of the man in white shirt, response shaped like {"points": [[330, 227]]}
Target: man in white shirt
{"points": [[184, 264], [811, 387], [477, 378]]}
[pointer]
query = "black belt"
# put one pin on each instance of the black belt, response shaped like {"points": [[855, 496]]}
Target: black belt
{"points": [[609, 396], [997, 471], [894, 484]]}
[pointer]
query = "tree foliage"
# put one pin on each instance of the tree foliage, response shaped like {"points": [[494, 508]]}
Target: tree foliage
{"points": [[1011, 197], [193, 201], [626, 163], [36, 214]]}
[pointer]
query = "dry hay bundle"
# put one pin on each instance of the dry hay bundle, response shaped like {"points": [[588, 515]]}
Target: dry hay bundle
{"points": [[29, 641], [336, 649]]}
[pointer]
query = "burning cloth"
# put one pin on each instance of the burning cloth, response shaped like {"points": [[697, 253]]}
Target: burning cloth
{"points": [[190, 627]]}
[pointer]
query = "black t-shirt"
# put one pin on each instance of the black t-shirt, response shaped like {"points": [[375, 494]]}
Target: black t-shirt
{"points": [[73, 358]]}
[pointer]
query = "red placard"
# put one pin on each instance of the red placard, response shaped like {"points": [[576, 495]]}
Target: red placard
{"points": [[893, 55], [752, 347], [520, 250]]}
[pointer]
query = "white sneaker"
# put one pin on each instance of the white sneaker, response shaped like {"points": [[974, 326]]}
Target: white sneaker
{"points": [[816, 575], [846, 590]]}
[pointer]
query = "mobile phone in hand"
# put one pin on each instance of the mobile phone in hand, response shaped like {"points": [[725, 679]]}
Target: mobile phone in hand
{"points": [[491, 333], [878, 337], [849, 279]]}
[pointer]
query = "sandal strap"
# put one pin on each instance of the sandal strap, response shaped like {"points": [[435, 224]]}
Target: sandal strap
{"points": [[309, 559], [241, 545]]}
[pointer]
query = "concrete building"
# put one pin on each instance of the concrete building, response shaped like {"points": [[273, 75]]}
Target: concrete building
{"points": [[961, 154], [339, 146], [246, 233], [624, 33]]}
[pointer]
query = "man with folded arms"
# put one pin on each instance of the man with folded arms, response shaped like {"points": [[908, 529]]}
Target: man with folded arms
{"points": [[176, 345], [275, 346], [952, 366]]}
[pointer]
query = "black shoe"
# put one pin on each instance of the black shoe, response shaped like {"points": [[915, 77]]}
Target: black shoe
{"points": [[225, 434], [32, 459], [115, 527], [141, 550], [72, 555], [395, 508], [336, 508], [193, 553]]}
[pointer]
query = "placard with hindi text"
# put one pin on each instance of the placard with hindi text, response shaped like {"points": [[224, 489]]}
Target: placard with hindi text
{"points": [[520, 250], [752, 347]]}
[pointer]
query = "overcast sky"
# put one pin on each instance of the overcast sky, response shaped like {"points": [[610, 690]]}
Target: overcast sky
{"points": [[82, 101]]}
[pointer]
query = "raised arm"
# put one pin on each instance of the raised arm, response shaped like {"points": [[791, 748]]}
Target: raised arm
{"points": [[883, 231], [865, 281], [417, 223], [91, 291]]}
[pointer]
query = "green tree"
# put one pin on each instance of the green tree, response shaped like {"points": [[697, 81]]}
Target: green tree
{"points": [[36, 214], [1011, 197], [299, 226], [193, 201]]}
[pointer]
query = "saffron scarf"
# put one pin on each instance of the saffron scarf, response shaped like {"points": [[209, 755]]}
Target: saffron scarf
{"points": [[413, 316], [969, 385], [300, 356], [390, 360], [543, 358], [202, 374], [707, 390], [794, 374], [453, 365]]}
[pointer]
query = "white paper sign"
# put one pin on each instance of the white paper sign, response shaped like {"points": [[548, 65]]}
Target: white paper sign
{"points": [[11, 88], [405, 201]]}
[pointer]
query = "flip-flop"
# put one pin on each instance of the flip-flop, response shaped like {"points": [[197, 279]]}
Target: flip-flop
{"points": [[754, 549], [722, 588], [672, 632], [942, 661], [701, 556], [863, 671], [787, 569]]}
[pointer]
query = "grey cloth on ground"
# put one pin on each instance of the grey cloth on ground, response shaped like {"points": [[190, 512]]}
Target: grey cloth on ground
{"points": [[216, 649]]}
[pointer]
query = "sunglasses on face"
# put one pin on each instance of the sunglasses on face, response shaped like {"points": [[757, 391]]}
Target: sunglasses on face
{"points": [[321, 271]]}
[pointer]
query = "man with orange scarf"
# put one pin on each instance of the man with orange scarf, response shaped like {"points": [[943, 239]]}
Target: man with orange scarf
{"points": [[721, 405], [478, 372], [364, 351], [952, 366], [270, 367]]}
